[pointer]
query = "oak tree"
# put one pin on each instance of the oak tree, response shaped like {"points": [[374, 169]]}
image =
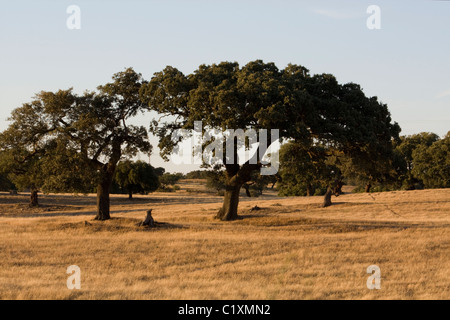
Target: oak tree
{"points": [[80, 135], [136, 177], [304, 108]]}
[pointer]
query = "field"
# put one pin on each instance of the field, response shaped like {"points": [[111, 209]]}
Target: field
{"points": [[289, 249]]}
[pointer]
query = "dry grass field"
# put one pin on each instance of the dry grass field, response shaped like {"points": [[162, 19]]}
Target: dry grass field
{"points": [[290, 249]]}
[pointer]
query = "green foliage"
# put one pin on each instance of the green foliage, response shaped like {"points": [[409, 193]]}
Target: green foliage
{"points": [[409, 143], [375, 188], [303, 107], [136, 177], [258, 183], [159, 171], [305, 171], [216, 180], [5, 183], [19, 167], [432, 163], [168, 180], [197, 174], [404, 157], [259, 95]]}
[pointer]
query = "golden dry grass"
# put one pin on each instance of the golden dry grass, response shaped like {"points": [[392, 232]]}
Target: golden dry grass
{"points": [[290, 249]]}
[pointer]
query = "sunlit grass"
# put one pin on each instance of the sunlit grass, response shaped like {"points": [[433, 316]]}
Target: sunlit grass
{"points": [[291, 249]]}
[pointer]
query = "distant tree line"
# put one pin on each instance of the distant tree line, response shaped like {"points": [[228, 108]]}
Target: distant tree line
{"points": [[415, 161]]}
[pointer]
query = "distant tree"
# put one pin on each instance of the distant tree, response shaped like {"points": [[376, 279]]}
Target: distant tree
{"points": [[254, 187], [5, 182], [136, 177], [197, 174], [91, 130], [216, 180], [258, 183], [39, 169], [303, 171], [374, 164], [404, 152], [170, 179], [432, 163], [159, 171]]}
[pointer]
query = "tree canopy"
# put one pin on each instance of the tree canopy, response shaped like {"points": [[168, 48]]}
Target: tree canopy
{"points": [[405, 161], [136, 177], [432, 163]]}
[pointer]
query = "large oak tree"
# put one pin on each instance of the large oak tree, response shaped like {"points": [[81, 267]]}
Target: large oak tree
{"points": [[307, 109]]}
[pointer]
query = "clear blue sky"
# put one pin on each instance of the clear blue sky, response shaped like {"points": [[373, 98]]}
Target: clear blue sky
{"points": [[406, 63]]}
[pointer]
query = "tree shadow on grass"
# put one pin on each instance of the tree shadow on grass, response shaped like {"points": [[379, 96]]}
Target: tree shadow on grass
{"points": [[115, 224]]}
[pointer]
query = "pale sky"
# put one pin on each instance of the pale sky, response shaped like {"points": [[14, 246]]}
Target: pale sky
{"points": [[405, 63]]}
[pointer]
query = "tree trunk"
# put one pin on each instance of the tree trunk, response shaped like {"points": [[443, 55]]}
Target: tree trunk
{"points": [[309, 190], [338, 188], [105, 181], [230, 203], [247, 191], [368, 186], [130, 194], [236, 177], [34, 198], [103, 189], [327, 197]]}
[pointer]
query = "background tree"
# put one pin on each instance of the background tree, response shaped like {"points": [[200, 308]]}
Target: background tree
{"points": [[374, 164], [92, 129], [302, 173], [216, 179], [159, 171], [136, 177], [307, 109], [5, 183], [432, 163], [168, 180], [197, 174], [404, 151]]}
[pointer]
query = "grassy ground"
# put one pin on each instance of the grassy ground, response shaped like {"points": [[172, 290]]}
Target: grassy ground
{"points": [[290, 249]]}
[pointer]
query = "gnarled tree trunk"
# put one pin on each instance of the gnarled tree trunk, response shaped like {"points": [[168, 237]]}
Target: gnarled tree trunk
{"points": [[236, 176], [103, 189], [104, 184], [230, 203], [368, 186], [103, 201]]}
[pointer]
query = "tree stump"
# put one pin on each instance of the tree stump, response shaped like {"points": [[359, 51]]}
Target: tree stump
{"points": [[148, 222], [327, 198]]}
